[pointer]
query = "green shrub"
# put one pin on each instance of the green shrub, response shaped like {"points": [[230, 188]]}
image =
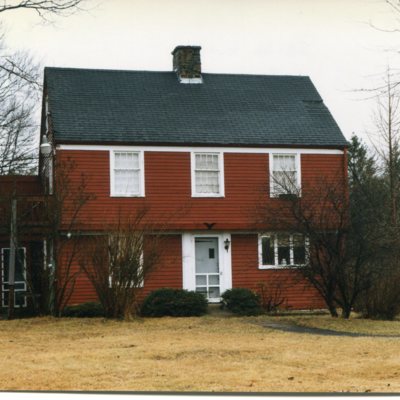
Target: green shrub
{"points": [[84, 310], [174, 303], [242, 301]]}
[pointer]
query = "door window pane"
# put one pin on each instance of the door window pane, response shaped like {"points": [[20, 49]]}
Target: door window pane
{"points": [[213, 292], [202, 290], [207, 267], [205, 264], [201, 280], [213, 279]]}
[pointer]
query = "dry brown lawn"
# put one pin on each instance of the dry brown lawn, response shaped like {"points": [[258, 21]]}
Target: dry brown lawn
{"points": [[191, 354], [354, 324]]}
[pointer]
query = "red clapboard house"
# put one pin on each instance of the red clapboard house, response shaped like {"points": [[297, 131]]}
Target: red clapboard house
{"points": [[199, 151]]}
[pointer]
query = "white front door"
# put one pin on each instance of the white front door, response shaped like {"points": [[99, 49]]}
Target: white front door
{"points": [[207, 268], [207, 263]]}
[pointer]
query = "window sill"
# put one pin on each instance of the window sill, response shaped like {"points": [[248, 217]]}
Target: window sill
{"points": [[127, 195], [207, 195], [284, 196], [280, 266]]}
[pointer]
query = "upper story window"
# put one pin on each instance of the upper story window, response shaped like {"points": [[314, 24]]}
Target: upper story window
{"points": [[207, 175], [285, 174], [282, 250], [127, 173]]}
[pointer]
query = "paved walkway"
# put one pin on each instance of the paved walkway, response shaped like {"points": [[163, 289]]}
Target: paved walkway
{"points": [[288, 327]]}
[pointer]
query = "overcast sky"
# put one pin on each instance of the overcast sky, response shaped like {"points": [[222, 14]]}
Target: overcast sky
{"points": [[332, 41]]}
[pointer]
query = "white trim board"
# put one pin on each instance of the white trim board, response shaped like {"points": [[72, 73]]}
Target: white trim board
{"points": [[189, 149], [189, 259]]}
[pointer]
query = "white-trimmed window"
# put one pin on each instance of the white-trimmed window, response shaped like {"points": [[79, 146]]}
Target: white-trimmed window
{"points": [[207, 174], [285, 174], [19, 277], [280, 250], [127, 173]]}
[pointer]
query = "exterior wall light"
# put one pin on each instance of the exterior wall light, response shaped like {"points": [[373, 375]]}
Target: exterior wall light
{"points": [[45, 147], [227, 243]]}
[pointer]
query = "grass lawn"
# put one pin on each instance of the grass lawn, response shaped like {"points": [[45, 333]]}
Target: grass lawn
{"points": [[354, 324], [210, 353]]}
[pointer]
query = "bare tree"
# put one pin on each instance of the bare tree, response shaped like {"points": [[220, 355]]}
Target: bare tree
{"points": [[386, 140], [341, 250], [55, 217], [20, 88], [119, 260], [43, 7], [19, 77]]}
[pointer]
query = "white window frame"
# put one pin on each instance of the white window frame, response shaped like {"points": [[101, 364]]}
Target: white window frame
{"points": [[291, 265], [141, 192], [4, 280], [221, 181], [271, 170]]}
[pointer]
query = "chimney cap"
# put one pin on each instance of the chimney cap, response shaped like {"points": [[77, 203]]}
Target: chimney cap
{"points": [[182, 47]]}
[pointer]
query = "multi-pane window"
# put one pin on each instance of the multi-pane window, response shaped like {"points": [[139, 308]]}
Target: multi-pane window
{"points": [[207, 174], [284, 174], [126, 174], [283, 249], [19, 277]]}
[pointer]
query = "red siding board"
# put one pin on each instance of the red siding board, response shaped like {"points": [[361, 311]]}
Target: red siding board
{"points": [[169, 202], [168, 189], [167, 272], [297, 293]]}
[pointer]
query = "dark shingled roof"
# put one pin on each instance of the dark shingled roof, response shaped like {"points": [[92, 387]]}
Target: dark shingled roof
{"points": [[108, 106]]}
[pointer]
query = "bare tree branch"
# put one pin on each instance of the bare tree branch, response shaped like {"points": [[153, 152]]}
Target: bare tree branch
{"points": [[43, 7]]}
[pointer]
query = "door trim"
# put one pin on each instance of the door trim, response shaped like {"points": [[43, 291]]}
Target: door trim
{"points": [[189, 260]]}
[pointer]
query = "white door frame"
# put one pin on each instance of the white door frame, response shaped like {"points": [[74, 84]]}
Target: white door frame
{"points": [[189, 260]]}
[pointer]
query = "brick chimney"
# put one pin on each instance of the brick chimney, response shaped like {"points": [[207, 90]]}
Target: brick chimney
{"points": [[187, 64]]}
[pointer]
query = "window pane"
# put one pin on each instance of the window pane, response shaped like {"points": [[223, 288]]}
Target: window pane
{"points": [[213, 279], [284, 162], [283, 250], [299, 253], [201, 280], [126, 160], [206, 161], [202, 290], [213, 292], [284, 182], [267, 246], [19, 299], [19, 265], [207, 182], [207, 173], [126, 182], [284, 174]]}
